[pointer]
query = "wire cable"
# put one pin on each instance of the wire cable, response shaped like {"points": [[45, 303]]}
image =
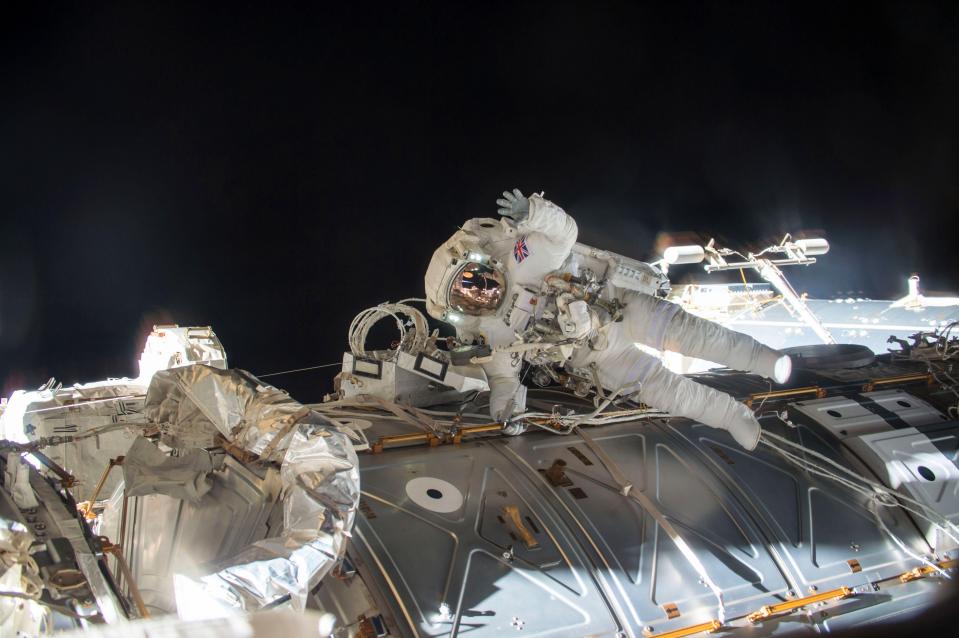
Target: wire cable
{"points": [[858, 483], [274, 374], [411, 341]]}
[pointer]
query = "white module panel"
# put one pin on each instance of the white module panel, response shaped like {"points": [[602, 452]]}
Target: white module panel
{"points": [[407, 380], [846, 417], [915, 464], [842, 416], [907, 407]]}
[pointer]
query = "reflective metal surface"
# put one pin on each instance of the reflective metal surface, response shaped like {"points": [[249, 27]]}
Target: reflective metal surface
{"points": [[165, 535], [588, 561], [470, 563]]}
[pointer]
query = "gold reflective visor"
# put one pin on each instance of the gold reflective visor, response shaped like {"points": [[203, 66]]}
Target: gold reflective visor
{"points": [[477, 290]]}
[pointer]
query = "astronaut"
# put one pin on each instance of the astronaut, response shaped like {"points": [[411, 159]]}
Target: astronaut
{"points": [[489, 281]]}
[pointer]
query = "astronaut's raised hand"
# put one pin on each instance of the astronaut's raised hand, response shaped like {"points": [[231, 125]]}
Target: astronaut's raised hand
{"points": [[514, 205]]}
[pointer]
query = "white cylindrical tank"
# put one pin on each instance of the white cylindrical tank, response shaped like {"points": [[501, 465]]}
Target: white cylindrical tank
{"points": [[812, 247], [684, 255]]}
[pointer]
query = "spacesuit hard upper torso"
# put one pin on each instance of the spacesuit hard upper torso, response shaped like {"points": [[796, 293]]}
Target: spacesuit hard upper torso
{"points": [[539, 245]]}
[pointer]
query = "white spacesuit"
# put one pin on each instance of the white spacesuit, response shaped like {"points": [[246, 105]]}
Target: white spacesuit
{"points": [[488, 280]]}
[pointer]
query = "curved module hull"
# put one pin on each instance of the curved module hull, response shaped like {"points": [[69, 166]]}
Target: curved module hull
{"points": [[544, 544]]}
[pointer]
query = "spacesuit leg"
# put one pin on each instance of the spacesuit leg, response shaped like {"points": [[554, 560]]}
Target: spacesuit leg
{"points": [[681, 396], [664, 325], [704, 339], [641, 376], [620, 365]]}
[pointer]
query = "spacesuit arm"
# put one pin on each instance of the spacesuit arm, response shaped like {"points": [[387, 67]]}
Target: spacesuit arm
{"points": [[550, 220], [502, 373]]}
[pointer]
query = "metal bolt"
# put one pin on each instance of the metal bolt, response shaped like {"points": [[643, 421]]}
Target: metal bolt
{"points": [[854, 546], [812, 589], [790, 593], [648, 629]]}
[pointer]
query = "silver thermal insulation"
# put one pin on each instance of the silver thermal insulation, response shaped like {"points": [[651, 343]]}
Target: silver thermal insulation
{"points": [[319, 483]]}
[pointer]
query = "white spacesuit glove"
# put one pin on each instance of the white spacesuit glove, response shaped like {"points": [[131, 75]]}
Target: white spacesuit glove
{"points": [[514, 205]]}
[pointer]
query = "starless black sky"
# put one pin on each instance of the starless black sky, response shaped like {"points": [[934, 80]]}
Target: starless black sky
{"points": [[270, 172]]}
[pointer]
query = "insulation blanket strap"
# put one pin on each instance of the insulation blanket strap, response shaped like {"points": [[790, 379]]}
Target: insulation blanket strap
{"points": [[319, 471]]}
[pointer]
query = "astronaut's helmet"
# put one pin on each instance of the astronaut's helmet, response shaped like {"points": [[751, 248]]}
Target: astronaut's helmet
{"points": [[477, 289]]}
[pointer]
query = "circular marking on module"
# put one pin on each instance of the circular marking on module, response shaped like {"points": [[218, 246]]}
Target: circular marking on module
{"points": [[926, 473], [356, 424], [435, 495]]}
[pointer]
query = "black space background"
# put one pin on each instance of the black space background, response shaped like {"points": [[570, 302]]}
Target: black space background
{"points": [[270, 172]]}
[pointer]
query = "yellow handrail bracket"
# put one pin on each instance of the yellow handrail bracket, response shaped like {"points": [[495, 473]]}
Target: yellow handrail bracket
{"points": [[791, 605]]}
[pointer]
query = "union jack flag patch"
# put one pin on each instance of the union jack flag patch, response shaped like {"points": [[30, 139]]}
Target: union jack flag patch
{"points": [[521, 250]]}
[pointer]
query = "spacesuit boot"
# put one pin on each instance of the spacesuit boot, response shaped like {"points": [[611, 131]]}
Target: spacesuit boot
{"points": [[681, 396]]}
